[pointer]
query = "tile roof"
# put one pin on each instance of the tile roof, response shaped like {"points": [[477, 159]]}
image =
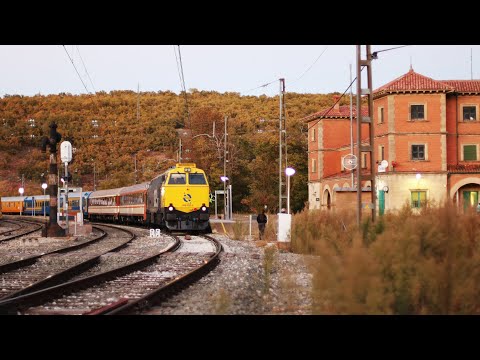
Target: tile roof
{"points": [[463, 86], [340, 113], [464, 168], [409, 82], [412, 82]]}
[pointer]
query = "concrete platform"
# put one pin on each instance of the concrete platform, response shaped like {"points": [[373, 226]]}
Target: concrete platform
{"points": [[222, 226]]}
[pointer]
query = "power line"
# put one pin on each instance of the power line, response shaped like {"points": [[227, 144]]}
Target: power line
{"points": [[308, 69], [336, 102], [182, 84], [319, 56], [91, 82], [178, 68], [264, 85], [85, 86]]}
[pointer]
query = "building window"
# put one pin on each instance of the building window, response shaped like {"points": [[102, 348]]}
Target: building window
{"points": [[419, 198], [313, 135], [381, 153], [469, 113], [418, 152], [364, 160], [380, 115], [417, 112], [469, 152], [314, 165]]}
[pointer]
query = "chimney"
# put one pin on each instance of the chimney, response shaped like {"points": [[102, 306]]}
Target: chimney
{"points": [[337, 105]]}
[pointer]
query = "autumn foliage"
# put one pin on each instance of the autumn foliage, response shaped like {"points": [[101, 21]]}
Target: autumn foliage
{"points": [[111, 137]]}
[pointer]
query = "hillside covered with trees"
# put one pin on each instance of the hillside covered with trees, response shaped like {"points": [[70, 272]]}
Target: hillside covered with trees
{"points": [[111, 135]]}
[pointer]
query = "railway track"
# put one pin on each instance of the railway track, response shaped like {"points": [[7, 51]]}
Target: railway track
{"points": [[7, 232], [21, 230], [126, 289], [44, 270]]}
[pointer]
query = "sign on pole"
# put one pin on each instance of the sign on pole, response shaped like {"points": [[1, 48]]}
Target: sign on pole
{"points": [[383, 166], [66, 151], [350, 162]]}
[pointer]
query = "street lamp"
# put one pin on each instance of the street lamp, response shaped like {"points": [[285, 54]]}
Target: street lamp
{"points": [[44, 187], [21, 190], [289, 172]]}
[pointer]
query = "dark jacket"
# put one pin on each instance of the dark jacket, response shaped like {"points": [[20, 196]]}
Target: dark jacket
{"points": [[262, 218]]}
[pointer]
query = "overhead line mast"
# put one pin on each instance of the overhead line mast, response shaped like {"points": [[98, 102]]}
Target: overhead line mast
{"points": [[369, 172], [282, 149]]}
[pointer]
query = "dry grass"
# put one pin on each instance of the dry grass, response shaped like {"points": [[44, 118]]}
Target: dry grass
{"points": [[406, 263], [222, 302], [269, 264], [240, 230]]}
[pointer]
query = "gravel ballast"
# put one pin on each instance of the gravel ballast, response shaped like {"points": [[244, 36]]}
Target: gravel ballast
{"points": [[239, 284]]}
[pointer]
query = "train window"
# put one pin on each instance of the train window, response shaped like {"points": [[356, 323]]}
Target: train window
{"points": [[197, 179], [177, 179]]}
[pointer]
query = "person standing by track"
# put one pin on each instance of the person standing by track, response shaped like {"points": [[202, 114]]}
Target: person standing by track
{"points": [[262, 221]]}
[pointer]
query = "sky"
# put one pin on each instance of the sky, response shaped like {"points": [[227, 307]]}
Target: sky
{"points": [[47, 69]]}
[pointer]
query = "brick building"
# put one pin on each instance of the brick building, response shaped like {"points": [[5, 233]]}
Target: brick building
{"points": [[429, 132]]}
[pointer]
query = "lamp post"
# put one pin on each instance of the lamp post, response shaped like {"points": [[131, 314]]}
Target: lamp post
{"points": [[225, 206], [44, 187], [135, 162], [21, 191], [94, 176], [289, 172]]}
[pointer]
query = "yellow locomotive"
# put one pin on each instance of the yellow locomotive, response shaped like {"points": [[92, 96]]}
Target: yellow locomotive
{"points": [[179, 198]]}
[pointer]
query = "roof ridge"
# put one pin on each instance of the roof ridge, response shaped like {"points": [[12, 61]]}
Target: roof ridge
{"points": [[414, 81]]}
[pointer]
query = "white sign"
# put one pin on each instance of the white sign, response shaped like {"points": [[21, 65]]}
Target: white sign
{"points": [[66, 151], [350, 162]]}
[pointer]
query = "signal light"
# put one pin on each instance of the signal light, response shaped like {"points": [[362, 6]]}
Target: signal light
{"points": [[67, 178]]}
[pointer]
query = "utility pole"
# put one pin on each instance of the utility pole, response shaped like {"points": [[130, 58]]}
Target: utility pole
{"points": [[351, 121], [135, 168], [225, 197], [138, 102], [370, 173], [180, 150], [282, 148], [65, 204]]}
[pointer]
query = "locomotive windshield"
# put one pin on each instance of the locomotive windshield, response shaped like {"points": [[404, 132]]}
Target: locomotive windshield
{"points": [[177, 179], [196, 179]]}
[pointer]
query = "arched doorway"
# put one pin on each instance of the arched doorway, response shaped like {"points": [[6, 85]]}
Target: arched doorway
{"points": [[469, 196], [467, 192], [327, 199]]}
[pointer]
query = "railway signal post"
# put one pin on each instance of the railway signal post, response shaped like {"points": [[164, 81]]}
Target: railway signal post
{"points": [[66, 157], [52, 229]]}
